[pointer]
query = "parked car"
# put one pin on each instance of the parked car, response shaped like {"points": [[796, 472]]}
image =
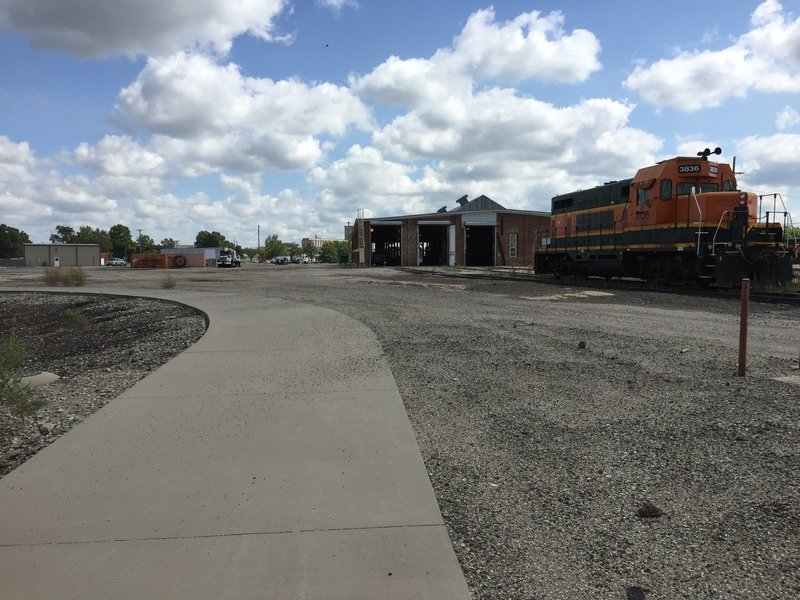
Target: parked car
{"points": [[116, 262]]}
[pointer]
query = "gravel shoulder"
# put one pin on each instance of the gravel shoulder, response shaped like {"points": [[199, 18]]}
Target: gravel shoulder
{"points": [[580, 445]]}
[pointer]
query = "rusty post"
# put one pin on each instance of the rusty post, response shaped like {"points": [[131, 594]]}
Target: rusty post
{"points": [[744, 310]]}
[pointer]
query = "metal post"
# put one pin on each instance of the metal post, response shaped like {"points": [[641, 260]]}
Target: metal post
{"points": [[743, 312]]}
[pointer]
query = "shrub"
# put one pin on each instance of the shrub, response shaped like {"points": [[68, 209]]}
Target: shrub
{"points": [[168, 282], [52, 276], [75, 276], [13, 393], [77, 320]]}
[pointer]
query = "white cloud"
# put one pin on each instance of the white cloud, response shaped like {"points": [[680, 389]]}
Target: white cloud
{"points": [[462, 135], [527, 47], [206, 117], [769, 161], [530, 46], [337, 5], [787, 118], [521, 150], [95, 28], [33, 192], [766, 59], [119, 156]]}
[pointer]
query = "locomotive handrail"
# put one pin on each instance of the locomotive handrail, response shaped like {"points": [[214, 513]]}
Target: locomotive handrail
{"points": [[714, 239], [788, 225], [700, 231]]}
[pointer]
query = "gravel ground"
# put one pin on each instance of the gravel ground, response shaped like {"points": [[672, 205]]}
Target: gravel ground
{"points": [[121, 342], [581, 445]]}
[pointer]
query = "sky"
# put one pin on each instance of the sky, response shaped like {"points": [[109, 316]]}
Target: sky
{"points": [[261, 117]]}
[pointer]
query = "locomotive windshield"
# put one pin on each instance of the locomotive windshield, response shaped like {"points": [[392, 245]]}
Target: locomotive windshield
{"points": [[684, 188]]}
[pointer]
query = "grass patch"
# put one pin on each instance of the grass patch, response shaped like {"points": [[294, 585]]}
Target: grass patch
{"points": [[73, 276], [51, 276], [77, 320]]}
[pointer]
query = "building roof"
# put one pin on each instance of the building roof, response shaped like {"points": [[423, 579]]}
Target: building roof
{"points": [[480, 204]]}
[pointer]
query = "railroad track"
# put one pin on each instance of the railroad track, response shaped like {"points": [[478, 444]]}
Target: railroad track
{"points": [[790, 298]]}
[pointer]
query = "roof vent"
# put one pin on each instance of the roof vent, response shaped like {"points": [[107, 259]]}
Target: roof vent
{"points": [[463, 200], [442, 210]]}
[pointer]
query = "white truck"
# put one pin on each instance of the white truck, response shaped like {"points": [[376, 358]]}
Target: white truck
{"points": [[228, 258]]}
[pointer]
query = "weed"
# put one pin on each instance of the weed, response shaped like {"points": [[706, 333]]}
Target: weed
{"points": [[75, 276], [13, 393], [52, 276], [168, 282], [77, 320]]}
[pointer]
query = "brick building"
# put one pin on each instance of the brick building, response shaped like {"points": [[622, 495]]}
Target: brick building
{"points": [[479, 232]]}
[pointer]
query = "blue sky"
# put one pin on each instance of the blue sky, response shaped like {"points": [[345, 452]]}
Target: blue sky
{"points": [[229, 114]]}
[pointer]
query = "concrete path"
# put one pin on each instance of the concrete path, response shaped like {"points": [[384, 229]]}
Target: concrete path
{"points": [[273, 459]]}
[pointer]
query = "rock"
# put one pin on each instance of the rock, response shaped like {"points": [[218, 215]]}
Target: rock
{"points": [[581, 344], [636, 593], [649, 511], [46, 428]]}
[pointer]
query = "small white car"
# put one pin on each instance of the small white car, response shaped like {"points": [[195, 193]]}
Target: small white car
{"points": [[116, 262]]}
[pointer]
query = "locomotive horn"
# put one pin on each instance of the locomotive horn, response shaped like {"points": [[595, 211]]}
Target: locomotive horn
{"points": [[705, 153]]}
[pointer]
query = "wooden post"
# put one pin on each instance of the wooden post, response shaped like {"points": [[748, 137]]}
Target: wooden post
{"points": [[744, 309]]}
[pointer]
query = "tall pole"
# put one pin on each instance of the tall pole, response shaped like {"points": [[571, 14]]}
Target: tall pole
{"points": [[743, 310]]}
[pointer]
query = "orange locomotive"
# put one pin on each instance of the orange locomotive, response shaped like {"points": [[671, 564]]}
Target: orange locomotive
{"points": [[680, 220]]}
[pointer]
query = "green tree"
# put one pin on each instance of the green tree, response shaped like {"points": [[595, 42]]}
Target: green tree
{"points": [[338, 251], [211, 239], [63, 235], [293, 248], [122, 244], [252, 253], [12, 242], [146, 243], [310, 250], [274, 247], [87, 235], [168, 243]]}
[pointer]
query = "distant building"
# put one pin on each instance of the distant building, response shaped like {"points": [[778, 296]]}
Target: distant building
{"points": [[317, 241], [62, 255], [479, 232]]}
